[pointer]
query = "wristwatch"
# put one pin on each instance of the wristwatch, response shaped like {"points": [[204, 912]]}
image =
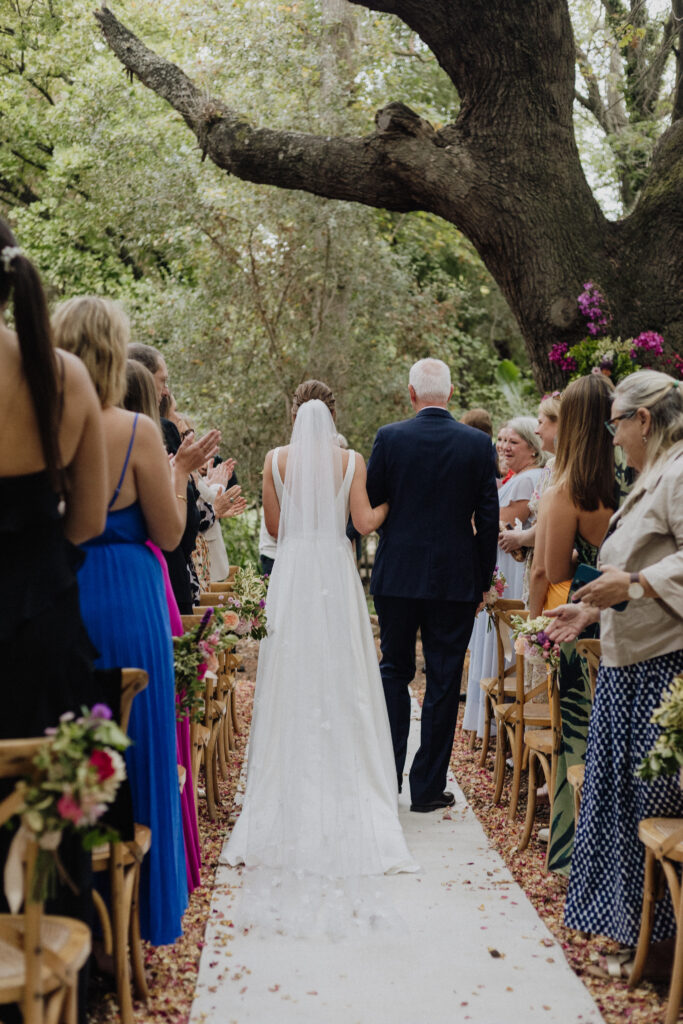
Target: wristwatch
{"points": [[635, 587]]}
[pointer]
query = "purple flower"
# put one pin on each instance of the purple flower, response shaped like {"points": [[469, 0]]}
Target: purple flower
{"points": [[558, 354], [100, 711], [262, 603], [591, 303]]}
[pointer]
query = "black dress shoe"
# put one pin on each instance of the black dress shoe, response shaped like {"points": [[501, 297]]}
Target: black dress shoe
{"points": [[447, 799]]}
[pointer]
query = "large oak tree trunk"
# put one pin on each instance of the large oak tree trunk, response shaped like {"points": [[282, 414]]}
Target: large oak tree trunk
{"points": [[507, 173]]}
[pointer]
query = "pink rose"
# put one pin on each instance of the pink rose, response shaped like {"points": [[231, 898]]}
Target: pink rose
{"points": [[231, 619], [519, 645], [69, 808]]}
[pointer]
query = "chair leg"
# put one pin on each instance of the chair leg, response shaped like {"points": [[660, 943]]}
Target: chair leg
{"points": [[676, 988], [233, 709], [209, 776], [120, 913], [530, 804], [499, 775], [486, 738], [70, 1008], [646, 918], [137, 959], [517, 758], [229, 728], [472, 739]]}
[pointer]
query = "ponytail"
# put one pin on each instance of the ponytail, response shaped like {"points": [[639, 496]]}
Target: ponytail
{"points": [[19, 278]]}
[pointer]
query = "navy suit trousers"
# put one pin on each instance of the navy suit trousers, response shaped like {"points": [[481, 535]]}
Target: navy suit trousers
{"points": [[445, 627]]}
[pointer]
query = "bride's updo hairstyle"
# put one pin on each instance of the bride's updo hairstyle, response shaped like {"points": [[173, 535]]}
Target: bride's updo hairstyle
{"points": [[309, 390]]}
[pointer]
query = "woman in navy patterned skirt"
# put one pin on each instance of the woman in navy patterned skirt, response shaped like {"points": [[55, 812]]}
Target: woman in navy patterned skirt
{"points": [[642, 650]]}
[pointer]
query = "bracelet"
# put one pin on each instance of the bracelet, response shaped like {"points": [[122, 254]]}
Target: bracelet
{"points": [[183, 497]]}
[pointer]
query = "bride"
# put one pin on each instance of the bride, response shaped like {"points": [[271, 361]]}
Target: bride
{"points": [[321, 805]]}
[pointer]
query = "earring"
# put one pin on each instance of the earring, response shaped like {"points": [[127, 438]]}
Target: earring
{"points": [[644, 438]]}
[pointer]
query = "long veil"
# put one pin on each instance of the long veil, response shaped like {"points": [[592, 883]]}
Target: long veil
{"points": [[320, 810]]}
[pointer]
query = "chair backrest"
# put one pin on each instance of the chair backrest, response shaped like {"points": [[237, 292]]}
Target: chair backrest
{"points": [[512, 609], [503, 610], [191, 621], [211, 598], [590, 651], [133, 680]]}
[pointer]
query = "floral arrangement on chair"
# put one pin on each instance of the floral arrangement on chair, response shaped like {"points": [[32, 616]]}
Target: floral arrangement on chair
{"points": [[498, 587], [77, 775], [195, 653], [666, 757], [600, 353], [246, 606], [532, 641]]}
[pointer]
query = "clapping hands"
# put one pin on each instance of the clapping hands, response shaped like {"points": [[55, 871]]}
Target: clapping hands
{"points": [[193, 454], [230, 503]]}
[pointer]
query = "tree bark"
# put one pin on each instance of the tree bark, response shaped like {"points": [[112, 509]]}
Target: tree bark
{"points": [[507, 173]]}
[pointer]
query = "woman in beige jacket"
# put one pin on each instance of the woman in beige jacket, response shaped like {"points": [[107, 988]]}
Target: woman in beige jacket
{"points": [[641, 560]]}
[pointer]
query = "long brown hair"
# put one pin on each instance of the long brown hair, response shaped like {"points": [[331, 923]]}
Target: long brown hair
{"points": [[584, 462], [19, 278], [141, 395]]}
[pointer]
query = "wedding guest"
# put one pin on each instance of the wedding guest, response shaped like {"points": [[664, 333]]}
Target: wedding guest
{"points": [[536, 584], [642, 650], [52, 496], [501, 466], [524, 458], [179, 559], [573, 516], [123, 600], [227, 502], [141, 397], [480, 419]]}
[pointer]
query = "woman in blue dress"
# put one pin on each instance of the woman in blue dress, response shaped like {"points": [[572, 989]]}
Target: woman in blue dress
{"points": [[123, 601]]}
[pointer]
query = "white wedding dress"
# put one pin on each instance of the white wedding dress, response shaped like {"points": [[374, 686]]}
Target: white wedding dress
{"points": [[320, 810]]}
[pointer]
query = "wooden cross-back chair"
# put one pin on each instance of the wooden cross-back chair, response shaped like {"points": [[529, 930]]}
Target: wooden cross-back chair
{"points": [[543, 746], [122, 860], [663, 841], [40, 954], [501, 686], [589, 650], [205, 740], [211, 598], [512, 719]]}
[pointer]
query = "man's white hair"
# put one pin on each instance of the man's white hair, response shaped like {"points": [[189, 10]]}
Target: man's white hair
{"points": [[431, 379]]}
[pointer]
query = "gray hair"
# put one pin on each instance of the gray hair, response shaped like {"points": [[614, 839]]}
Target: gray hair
{"points": [[431, 380], [525, 427], [663, 397]]}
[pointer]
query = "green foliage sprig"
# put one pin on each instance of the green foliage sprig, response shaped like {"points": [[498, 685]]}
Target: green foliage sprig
{"points": [[666, 757]]}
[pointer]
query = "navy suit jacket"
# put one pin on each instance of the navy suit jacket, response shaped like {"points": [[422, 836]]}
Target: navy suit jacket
{"points": [[437, 474]]}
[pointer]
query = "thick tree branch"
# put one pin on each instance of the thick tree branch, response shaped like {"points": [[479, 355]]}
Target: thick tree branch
{"points": [[399, 167]]}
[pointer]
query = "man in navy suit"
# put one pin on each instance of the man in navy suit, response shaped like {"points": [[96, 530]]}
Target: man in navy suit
{"points": [[431, 567]]}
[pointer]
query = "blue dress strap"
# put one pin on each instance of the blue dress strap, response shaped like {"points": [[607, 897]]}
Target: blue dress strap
{"points": [[125, 465]]}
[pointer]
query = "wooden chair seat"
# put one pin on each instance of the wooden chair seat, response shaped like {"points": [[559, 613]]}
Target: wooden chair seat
{"points": [[540, 740], [663, 841], [130, 853], [537, 715], [66, 947], [664, 836], [224, 587], [490, 685]]}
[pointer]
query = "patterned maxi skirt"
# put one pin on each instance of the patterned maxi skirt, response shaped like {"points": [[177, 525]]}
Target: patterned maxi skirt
{"points": [[606, 881]]}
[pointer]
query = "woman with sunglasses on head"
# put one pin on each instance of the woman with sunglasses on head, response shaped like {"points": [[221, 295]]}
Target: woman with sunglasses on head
{"points": [[642, 650]]}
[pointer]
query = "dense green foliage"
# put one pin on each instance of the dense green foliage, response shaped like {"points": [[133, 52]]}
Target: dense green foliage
{"points": [[247, 289]]}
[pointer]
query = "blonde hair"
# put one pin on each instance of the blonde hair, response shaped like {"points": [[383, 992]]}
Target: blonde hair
{"points": [[550, 406], [663, 397], [97, 331]]}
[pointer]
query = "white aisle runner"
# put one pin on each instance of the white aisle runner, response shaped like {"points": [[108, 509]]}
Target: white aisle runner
{"points": [[473, 949]]}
